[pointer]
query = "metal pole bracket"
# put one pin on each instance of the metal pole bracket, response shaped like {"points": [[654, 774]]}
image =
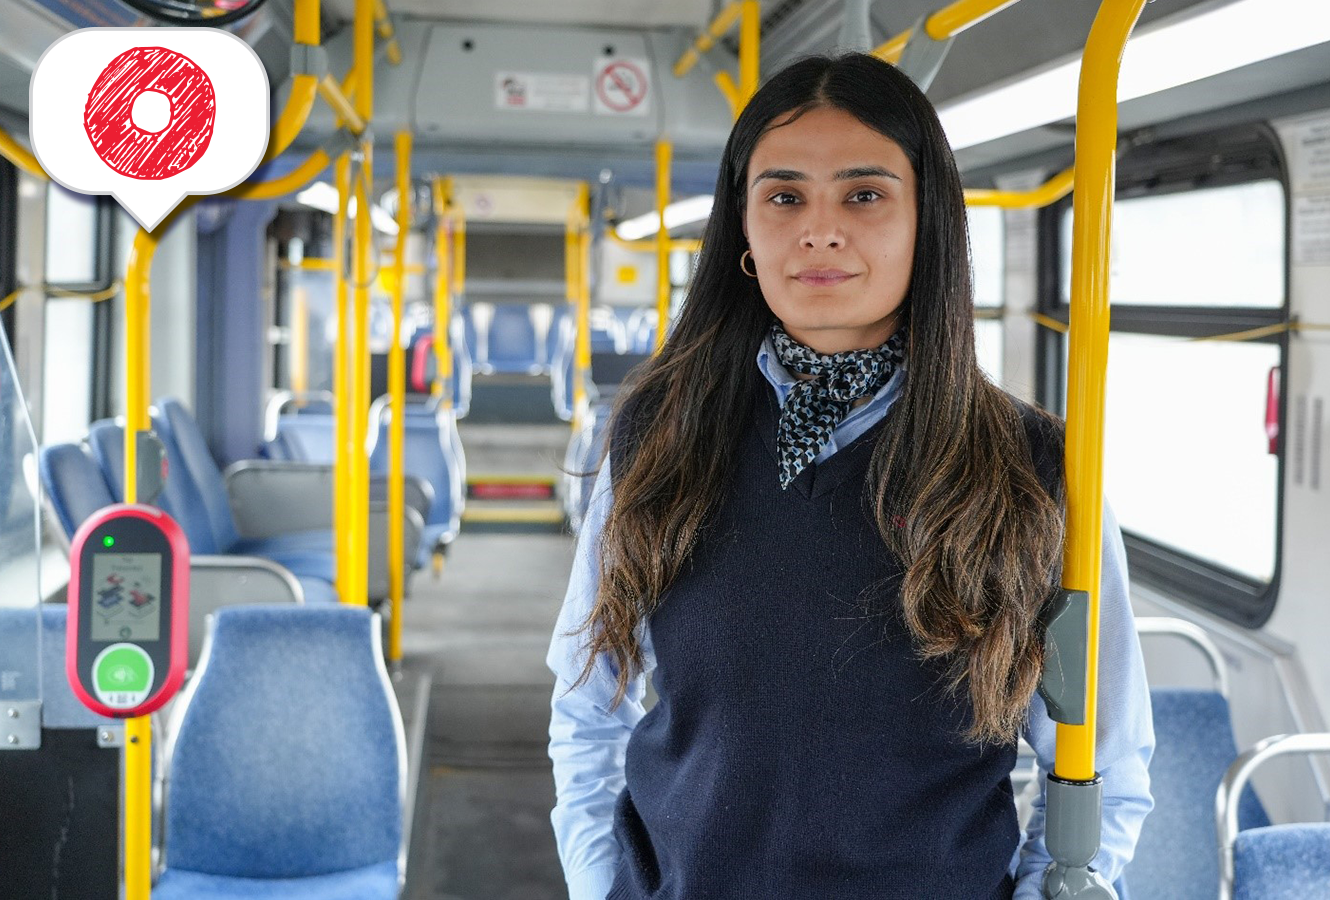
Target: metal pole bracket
{"points": [[922, 57]]}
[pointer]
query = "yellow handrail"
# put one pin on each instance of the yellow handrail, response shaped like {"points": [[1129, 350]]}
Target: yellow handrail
{"points": [[946, 22], [1092, 217], [20, 156], [664, 153], [341, 104], [722, 23], [441, 190], [342, 386], [360, 388], [748, 13], [289, 183], [1050, 191], [397, 388]]}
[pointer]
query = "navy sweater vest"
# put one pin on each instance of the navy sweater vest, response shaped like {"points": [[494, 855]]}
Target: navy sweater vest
{"points": [[800, 749]]}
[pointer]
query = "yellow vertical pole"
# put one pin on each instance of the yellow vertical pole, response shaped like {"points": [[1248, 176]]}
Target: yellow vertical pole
{"points": [[664, 152], [360, 398], [397, 388], [443, 307], [138, 730], [750, 52], [1096, 138], [342, 391], [570, 295], [582, 354], [358, 477]]}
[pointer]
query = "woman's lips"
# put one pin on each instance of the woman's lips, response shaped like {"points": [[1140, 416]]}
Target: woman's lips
{"points": [[822, 277]]}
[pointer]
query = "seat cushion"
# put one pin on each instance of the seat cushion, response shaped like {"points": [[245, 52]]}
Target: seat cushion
{"points": [[368, 883], [1283, 862], [304, 563], [316, 541]]}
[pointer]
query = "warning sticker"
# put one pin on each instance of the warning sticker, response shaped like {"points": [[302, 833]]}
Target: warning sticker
{"points": [[541, 92], [621, 87]]}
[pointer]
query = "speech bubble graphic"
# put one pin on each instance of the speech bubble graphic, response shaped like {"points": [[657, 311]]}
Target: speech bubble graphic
{"points": [[149, 115]]}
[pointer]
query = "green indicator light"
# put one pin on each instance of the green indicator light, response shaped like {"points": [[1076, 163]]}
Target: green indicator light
{"points": [[108, 541]]}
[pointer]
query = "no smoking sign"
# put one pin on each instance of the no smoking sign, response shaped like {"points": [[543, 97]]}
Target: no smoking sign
{"points": [[621, 87]]}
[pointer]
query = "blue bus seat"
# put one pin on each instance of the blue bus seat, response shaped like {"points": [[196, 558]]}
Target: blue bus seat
{"points": [[308, 437], [301, 553], [286, 764], [1194, 746], [511, 348], [1283, 862], [431, 455], [74, 484]]}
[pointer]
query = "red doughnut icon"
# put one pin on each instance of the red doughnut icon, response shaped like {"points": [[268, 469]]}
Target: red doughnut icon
{"points": [[134, 151]]}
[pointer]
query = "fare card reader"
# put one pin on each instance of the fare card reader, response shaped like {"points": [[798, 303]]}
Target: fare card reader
{"points": [[128, 634]]}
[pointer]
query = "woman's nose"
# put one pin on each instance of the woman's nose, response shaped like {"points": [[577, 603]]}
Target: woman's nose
{"points": [[822, 231]]}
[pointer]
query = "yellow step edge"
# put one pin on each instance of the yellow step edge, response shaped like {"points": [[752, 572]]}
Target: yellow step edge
{"points": [[491, 478], [523, 515]]}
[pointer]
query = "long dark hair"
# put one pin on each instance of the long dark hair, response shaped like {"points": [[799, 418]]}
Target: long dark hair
{"points": [[982, 540]]}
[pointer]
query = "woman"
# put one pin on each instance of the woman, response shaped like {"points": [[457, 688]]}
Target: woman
{"points": [[835, 568]]}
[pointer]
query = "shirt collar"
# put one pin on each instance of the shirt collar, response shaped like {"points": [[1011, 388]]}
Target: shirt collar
{"points": [[780, 378]]}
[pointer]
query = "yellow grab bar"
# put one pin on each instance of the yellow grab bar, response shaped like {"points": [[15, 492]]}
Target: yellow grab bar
{"points": [[1092, 217], [443, 313], [664, 154], [397, 388], [1050, 191], [722, 23], [20, 156], [342, 387], [946, 22]]}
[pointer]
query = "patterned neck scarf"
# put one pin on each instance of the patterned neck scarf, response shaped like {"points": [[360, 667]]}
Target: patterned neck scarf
{"points": [[815, 407]]}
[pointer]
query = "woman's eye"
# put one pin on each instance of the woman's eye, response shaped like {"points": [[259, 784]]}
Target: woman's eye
{"points": [[784, 198], [864, 196]]}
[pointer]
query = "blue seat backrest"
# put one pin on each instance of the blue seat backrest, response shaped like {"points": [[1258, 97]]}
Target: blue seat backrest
{"points": [[1283, 862], [427, 455], [1176, 857], [179, 497], [74, 482], [178, 425], [286, 760], [512, 338], [308, 437]]}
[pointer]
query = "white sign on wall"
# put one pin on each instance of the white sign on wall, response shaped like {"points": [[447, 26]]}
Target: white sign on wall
{"points": [[621, 87], [541, 92]]}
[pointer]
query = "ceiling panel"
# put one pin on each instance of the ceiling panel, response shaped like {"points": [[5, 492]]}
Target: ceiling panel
{"points": [[600, 13]]}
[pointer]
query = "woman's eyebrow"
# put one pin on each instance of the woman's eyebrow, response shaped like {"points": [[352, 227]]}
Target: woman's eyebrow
{"points": [[842, 175]]}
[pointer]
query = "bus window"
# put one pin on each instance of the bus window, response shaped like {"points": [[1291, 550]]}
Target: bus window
{"points": [[986, 237], [1187, 464], [1165, 248], [71, 264]]}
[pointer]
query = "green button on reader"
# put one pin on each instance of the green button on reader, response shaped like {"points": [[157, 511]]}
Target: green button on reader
{"points": [[128, 634]]}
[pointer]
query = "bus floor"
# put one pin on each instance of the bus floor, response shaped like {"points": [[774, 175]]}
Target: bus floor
{"points": [[482, 827]]}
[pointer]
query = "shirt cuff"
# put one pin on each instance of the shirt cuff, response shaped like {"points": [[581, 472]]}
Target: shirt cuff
{"points": [[592, 884]]}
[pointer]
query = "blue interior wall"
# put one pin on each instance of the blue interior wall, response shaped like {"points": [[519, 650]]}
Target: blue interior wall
{"points": [[229, 391]]}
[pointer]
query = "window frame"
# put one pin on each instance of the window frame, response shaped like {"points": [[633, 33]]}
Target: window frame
{"points": [[1228, 157], [8, 241], [101, 368]]}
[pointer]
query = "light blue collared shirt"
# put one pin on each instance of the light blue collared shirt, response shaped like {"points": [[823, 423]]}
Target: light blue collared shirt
{"points": [[587, 741]]}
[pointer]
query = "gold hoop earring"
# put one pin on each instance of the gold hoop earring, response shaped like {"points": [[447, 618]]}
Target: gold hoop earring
{"points": [[747, 254]]}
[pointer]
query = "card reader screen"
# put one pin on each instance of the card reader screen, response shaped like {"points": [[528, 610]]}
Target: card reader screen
{"points": [[126, 600]]}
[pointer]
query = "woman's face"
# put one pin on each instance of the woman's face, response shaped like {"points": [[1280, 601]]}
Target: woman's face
{"points": [[830, 219]]}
